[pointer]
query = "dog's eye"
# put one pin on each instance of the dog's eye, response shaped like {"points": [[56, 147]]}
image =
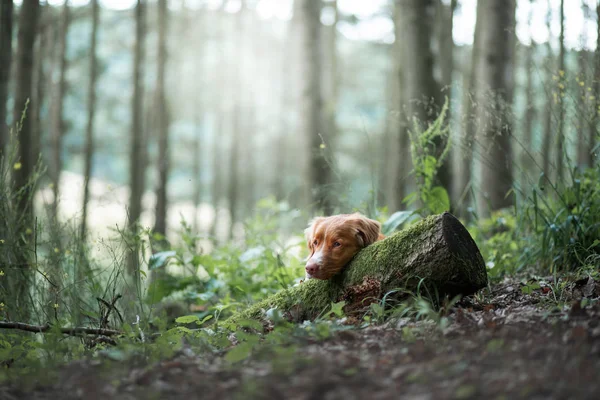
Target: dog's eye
{"points": [[316, 242], [337, 244]]}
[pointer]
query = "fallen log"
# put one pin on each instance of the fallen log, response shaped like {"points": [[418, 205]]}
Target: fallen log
{"points": [[435, 256]]}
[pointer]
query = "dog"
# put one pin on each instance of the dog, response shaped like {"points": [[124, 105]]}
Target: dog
{"points": [[334, 241]]}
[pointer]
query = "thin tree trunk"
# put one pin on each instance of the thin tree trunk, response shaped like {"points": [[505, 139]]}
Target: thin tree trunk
{"points": [[593, 128], [89, 141], [160, 225], [560, 149], [547, 138], [285, 96], [221, 74], [59, 98], [421, 91], [237, 117], [494, 97], [28, 21], [137, 157], [6, 22], [461, 197], [527, 152], [313, 118], [40, 78]]}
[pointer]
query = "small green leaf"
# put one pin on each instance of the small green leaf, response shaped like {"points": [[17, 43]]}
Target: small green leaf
{"points": [[207, 318], [160, 259], [337, 308], [438, 200], [250, 323], [239, 353], [187, 319], [528, 289], [396, 219]]}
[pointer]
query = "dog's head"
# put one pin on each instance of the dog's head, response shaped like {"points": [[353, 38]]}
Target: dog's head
{"points": [[333, 241]]}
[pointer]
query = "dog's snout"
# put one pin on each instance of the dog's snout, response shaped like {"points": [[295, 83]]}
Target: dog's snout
{"points": [[311, 268]]}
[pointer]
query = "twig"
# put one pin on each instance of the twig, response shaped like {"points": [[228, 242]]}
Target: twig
{"points": [[78, 331]]}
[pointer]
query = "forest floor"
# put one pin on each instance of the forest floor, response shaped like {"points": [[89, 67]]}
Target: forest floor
{"points": [[516, 341]]}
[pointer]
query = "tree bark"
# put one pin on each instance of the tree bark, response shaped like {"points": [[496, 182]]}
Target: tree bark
{"points": [[233, 190], [422, 94], [138, 147], [462, 184], [528, 118], [435, 257], [162, 116], [560, 148], [24, 186], [89, 141], [593, 128], [547, 138], [313, 117], [6, 22], [494, 74], [59, 98]]}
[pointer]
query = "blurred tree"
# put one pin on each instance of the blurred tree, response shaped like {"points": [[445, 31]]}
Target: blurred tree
{"points": [[58, 126], [162, 121], [138, 145], [313, 117], [444, 26], [593, 129], [91, 114], [494, 72], [6, 19], [560, 149], [421, 91], [395, 166], [28, 24], [582, 99], [463, 181], [530, 111], [42, 53], [240, 43], [550, 96], [221, 74]]}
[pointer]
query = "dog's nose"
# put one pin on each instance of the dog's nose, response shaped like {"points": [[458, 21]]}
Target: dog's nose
{"points": [[311, 268]]}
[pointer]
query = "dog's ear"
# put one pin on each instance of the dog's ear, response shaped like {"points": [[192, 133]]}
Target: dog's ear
{"points": [[309, 232], [368, 231]]}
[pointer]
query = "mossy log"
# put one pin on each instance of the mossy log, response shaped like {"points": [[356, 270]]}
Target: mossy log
{"points": [[435, 256]]}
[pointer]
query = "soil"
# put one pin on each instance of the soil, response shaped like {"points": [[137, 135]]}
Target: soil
{"points": [[507, 343]]}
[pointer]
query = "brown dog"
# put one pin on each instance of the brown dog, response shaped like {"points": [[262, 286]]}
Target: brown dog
{"points": [[333, 241]]}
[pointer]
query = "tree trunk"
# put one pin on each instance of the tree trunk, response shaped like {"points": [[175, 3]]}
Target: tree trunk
{"points": [[421, 92], [312, 117], [560, 149], [233, 191], [494, 74], [397, 165], [220, 132], [593, 129], [6, 19], [436, 257], [547, 138], [45, 35], [138, 147], [28, 24], [59, 98], [463, 182], [527, 128], [89, 141], [162, 116]]}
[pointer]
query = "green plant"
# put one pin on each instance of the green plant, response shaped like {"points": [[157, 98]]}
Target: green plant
{"points": [[427, 159]]}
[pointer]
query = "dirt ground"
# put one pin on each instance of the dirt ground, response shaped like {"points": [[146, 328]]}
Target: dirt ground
{"points": [[508, 345]]}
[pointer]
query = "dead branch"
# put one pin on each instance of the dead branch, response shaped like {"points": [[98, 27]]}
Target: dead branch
{"points": [[77, 331]]}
